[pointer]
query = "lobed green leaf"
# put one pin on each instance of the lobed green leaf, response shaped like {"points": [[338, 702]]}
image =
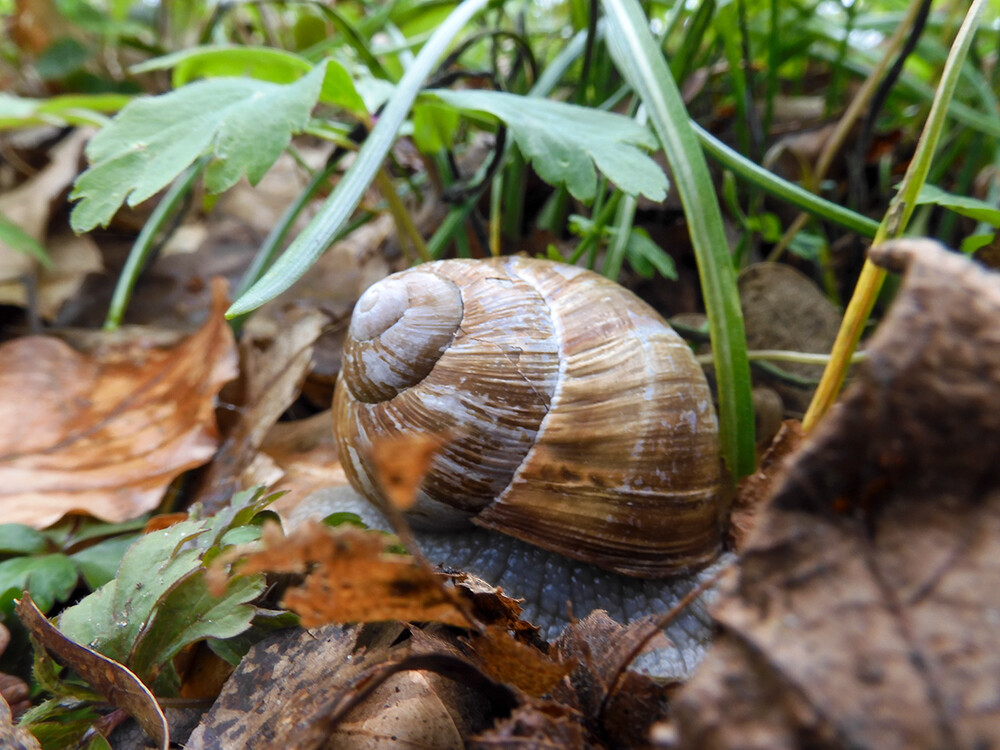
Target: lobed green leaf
{"points": [[244, 123], [566, 155]]}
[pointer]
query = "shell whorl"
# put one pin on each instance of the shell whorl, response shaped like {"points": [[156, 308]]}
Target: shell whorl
{"points": [[579, 420], [399, 329]]}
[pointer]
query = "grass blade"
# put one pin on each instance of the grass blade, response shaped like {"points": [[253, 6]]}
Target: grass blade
{"points": [[639, 59], [316, 237], [896, 218]]}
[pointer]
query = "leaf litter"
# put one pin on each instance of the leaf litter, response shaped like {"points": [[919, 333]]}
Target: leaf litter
{"points": [[863, 613]]}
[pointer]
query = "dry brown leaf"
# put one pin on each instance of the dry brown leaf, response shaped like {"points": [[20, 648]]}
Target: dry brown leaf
{"points": [[353, 578], [73, 258], [511, 662], [29, 206], [401, 463], [863, 613], [615, 706], [273, 371], [310, 674], [537, 725], [305, 453], [754, 490], [106, 434], [115, 682]]}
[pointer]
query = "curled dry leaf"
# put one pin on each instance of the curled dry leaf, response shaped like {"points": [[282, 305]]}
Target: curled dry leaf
{"points": [[353, 578], [106, 434], [863, 613], [112, 680]]}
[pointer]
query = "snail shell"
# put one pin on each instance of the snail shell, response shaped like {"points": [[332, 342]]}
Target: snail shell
{"points": [[577, 420]]}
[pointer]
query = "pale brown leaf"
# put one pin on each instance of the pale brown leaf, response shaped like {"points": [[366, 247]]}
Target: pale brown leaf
{"points": [[105, 434]]}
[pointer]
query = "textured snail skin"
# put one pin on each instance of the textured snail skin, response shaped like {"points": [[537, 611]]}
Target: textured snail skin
{"points": [[577, 420], [549, 583]]}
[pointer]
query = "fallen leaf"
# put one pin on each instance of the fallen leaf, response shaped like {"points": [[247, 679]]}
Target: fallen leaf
{"points": [[305, 453], [863, 611], [616, 706], [273, 372], [117, 684], [105, 435], [401, 463], [755, 489], [548, 725], [352, 578], [511, 662], [73, 257], [310, 674], [29, 206]]}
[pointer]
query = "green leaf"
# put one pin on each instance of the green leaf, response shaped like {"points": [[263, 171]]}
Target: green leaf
{"points": [[313, 241], [975, 241], [245, 124], [18, 539], [71, 109], [158, 603], [644, 255], [960, 204], [224, 60], [49, 578], [261, 63], [564, 142], [110, 619], [265, 621], [99, 563], [434, 126], [188, 613], [20, 241]]}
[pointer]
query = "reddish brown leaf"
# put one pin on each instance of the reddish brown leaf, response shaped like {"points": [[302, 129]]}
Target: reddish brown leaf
{"points": [[105, 434], [112, 680], [353, 578], [513, 663], [401, 463]]}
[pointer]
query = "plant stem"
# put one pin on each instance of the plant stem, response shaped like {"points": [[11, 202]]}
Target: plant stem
{"points": [[144, 245], [893, 223]]}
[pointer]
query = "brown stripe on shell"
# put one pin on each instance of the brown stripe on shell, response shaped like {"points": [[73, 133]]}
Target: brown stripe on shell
{"points": [[624, 472], [504, 354]]}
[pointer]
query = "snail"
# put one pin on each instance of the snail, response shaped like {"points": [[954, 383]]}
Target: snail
{"points": [[577, 423], [581, 421]]}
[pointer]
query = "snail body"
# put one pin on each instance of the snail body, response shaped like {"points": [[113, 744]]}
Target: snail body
{"points": [[574, 418]]}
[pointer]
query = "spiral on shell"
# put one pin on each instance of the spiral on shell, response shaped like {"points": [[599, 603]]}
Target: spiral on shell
{"points": [[577, 420]]}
